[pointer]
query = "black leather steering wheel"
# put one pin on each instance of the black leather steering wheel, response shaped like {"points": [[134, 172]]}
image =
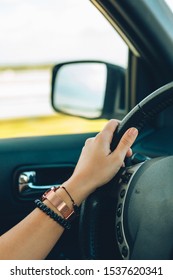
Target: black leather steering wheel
{"points": [[132, 216]]}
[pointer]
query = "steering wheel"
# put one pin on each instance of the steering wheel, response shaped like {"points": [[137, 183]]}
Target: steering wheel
{"points": [[132, 216]]}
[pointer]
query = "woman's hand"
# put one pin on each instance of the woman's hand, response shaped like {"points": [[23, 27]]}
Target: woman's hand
{"points": [[97, 165]]}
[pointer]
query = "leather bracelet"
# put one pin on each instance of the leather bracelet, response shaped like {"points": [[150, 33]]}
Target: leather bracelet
{"points": [[75, 207], [63, 222]]}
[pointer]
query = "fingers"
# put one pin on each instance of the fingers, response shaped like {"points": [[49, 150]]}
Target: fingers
{"points": [[89, 140], [111, 125], [105, 137], [126, 142], [108, 130], [129, 153]]}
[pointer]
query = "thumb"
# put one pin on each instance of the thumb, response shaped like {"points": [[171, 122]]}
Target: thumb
{"points": [[126, 142]]}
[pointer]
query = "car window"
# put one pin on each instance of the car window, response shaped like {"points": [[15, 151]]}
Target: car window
{"points": [[170, 4], [36, 35]]}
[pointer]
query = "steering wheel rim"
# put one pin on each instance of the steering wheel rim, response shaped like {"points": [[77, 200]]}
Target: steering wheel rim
{"points": [[95, 242]]}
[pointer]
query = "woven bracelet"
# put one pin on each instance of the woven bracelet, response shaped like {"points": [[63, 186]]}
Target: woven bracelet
{"points": [[64, 223]]}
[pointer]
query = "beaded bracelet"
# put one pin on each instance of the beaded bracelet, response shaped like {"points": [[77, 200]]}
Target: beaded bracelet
{"points": [[64, 223], [75, 207]]}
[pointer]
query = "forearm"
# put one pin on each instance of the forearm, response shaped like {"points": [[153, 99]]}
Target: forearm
{"points": [[35, 236]]}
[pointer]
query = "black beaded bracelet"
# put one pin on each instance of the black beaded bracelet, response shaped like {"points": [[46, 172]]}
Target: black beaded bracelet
{"points": [[64, 223]]}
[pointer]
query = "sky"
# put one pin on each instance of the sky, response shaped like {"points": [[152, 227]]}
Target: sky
{"points": [[50, 31], [45, 31], [170, 3]]}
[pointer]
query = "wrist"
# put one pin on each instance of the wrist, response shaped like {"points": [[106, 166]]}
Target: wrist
{"points": [[79, 188]]}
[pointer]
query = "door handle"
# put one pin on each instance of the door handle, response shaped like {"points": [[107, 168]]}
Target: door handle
{"points": [[27, 181], [31, 182]]}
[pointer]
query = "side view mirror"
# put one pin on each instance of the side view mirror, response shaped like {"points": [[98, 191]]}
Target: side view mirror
{"points": [[87, 88]]}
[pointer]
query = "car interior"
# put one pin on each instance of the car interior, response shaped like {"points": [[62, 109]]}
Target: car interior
{"points": [[131, 216]]}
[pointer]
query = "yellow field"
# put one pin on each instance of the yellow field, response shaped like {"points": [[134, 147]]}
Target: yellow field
{"points": [[24, 83], [48, 125]]}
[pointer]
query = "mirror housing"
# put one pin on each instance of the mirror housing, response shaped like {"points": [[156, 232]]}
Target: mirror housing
{"points": [[88, 89]]}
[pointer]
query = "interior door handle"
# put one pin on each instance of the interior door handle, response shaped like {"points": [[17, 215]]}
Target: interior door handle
{"points": [[27, 181], [31, 182]]}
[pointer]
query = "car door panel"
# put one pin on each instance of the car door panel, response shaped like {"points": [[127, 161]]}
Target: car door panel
{"points": [[52, 157]]}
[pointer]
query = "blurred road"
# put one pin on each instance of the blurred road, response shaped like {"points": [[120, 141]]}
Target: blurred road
{"points": [[25, 93]]}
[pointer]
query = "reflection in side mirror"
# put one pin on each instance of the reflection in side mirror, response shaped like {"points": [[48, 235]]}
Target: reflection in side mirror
{"points": [[79, 88]]}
